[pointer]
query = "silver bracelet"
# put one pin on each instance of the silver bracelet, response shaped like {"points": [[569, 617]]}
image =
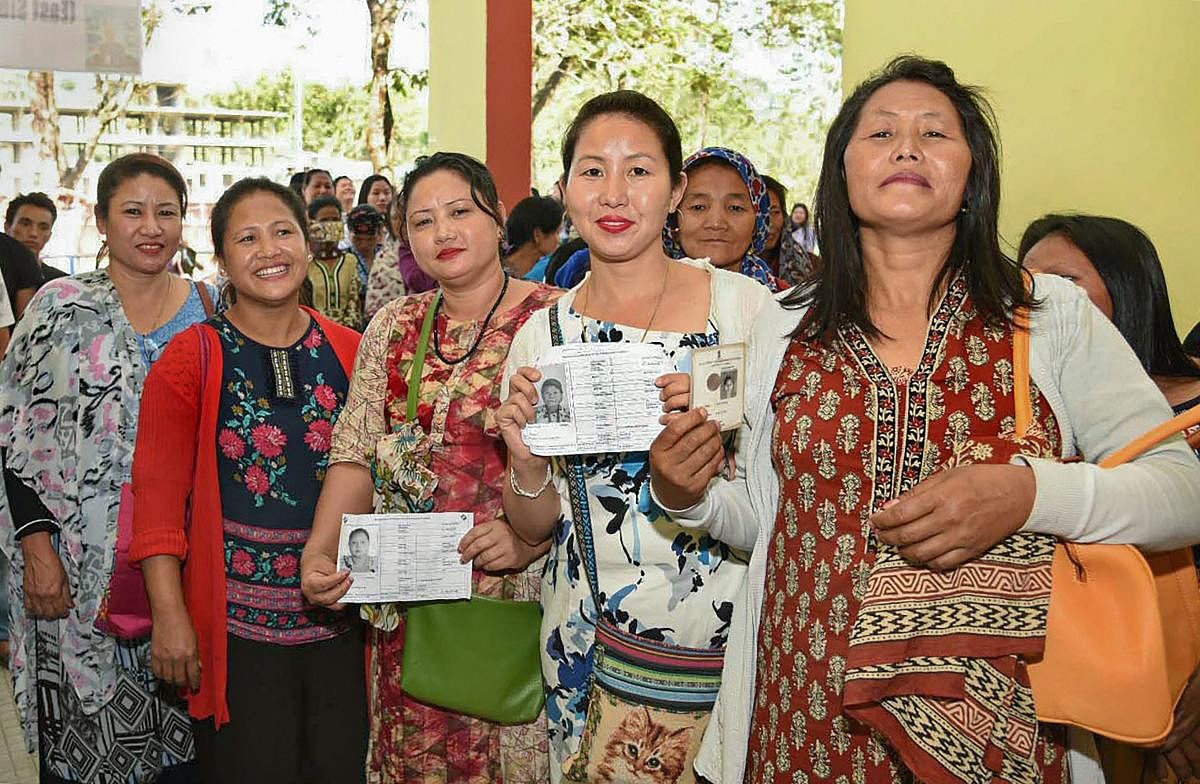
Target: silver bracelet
{"points": [[516, 488]]}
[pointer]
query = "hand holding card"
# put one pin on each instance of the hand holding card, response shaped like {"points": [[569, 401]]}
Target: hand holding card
{"points": [[719, 382]]}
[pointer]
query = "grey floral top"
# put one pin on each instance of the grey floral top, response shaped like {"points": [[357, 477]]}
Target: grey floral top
{"points": [[70, 387]]}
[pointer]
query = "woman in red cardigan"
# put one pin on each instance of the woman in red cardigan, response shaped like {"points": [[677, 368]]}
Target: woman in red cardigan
{"points": [[232, 447]]}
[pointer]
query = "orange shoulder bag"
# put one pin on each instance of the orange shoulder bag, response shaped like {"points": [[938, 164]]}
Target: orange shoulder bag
{"points": [[1123, 628]]}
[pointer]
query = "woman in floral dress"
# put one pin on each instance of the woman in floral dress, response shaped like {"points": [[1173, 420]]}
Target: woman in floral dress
{"points": [[454, 458], [658, 580], [69, 403], [275, 688]]}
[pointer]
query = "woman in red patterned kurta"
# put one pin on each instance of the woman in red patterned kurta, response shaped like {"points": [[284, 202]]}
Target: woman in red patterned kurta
{"points": [[903, 530], [453, 218]]}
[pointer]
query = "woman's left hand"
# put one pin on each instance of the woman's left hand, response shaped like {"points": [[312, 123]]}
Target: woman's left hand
{"points": [[1181, 750], [685, 457], [675, 391], [494, 547], [958, 514]]}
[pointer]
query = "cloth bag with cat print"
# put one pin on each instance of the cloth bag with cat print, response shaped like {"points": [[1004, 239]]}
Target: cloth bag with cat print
{"points": [[649, 702]]}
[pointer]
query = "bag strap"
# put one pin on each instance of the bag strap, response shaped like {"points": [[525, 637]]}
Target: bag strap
{"points": [[418, 364], [1024, 414], [1022, 395], [205, 299], [577, 486]]}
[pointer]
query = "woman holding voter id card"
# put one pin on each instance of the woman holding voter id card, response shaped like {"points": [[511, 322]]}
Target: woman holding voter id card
{"points": [[627, 585], [419, 432]]}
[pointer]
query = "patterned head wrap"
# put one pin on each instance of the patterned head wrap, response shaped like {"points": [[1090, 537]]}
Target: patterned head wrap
{"points": [[752, 265], [364, 219]]}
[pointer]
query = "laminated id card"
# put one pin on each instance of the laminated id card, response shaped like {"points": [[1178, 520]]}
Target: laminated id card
{"points": [[719, 382]]}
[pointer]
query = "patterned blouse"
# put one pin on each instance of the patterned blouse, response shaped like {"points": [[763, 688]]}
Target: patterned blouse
{"points": [[70, 389], [848, 438], [278, 409], [336, 290], [412, 742], [658, 579], [385, 282]]}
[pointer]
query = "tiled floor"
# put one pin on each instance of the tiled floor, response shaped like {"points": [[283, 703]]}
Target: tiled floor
{"points": [[16, 766]]}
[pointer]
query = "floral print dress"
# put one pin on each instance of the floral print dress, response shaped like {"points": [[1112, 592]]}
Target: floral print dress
{"points": [[414, 743], [69, 399], [277, 412], [658, 579]]}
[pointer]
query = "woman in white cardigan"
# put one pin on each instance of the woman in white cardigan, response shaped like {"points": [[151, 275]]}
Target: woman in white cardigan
{"points": [[658, 582], [884, 493]]}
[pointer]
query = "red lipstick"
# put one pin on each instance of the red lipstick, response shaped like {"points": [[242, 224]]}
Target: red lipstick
{"points": [[614, 224]]}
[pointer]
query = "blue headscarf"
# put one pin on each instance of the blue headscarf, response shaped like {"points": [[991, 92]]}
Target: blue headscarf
{"points": [[752, 265]]}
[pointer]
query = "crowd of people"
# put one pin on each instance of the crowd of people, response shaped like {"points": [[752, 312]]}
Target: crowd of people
{"points": [[791, 600]]}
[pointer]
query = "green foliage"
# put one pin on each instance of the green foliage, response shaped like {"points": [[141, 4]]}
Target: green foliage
{"points": [[760, 76], [335, 118]]}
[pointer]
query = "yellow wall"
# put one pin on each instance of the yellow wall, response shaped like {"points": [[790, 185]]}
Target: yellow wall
{"points": [[1098, 103], [458, 76]]}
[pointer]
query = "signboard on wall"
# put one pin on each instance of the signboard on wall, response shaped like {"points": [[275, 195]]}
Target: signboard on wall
{"points": [[71, 35]]}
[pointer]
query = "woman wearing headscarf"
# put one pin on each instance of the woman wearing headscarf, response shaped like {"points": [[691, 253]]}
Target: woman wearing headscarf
{"points": [[725, 215]]}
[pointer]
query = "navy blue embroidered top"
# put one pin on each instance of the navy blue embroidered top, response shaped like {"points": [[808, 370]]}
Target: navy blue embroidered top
{"points": [[278, 408]]}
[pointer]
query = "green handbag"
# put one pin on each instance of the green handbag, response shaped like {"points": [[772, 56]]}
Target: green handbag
{"points": [[478, 657]]}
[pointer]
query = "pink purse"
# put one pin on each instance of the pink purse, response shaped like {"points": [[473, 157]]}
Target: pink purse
{"points": [[125, 609]]}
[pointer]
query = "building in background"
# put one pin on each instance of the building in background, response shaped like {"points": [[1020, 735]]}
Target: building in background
{"points": [[212, 147]]}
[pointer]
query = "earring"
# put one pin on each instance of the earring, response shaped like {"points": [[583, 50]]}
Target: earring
{"points": [[963, 210]]}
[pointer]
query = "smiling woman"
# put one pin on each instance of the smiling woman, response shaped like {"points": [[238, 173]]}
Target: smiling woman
{"points": [[418, 425], [257, 390], [660, 579], [71, 393]]}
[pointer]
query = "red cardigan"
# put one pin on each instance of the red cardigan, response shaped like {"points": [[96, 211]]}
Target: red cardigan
{"points": [[175, 463]]}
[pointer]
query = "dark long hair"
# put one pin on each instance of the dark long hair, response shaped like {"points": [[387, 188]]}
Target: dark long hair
{"points": [[364, 190], [840, 291], [1128, 264]]}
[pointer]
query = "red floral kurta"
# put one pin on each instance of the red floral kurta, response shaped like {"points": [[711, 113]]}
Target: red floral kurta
{"points": [[847, 439], [412, 742]]}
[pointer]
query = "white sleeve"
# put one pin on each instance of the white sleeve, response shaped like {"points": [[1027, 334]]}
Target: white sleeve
{"points": [[6, 313], [1152, 502], [725, 510]]}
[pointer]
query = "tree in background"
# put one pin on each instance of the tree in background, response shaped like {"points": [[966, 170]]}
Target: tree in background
{"points": [[114, 93], [703, 60], [386, 82], [336, 118]]}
